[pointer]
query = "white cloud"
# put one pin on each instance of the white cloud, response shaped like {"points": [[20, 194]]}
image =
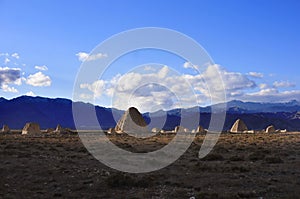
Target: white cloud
{"points": [[16, 55], [134, 88], [162, 73], [6, 58], [82, 56], [235, 94], [161, 88], [236, 81], [231, 81], [266, 91], [43, 68], [9, 89], [30, 93], [96, 88], [271, 94], [38, 79], [18, 81], [110, 92], [256, 74], [129, 81], [283, 84], [192, 66], [188, 65]]}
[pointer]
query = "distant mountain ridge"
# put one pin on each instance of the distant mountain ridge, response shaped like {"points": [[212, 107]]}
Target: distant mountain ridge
{"points": [[256, 107], [49, 112]]}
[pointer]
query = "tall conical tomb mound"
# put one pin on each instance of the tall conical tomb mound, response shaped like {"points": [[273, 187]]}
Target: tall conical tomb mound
{"points": [[238, 127], [132, 121], [31, 128]]}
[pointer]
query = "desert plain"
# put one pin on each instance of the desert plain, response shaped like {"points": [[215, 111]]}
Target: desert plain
{"points": [[239, 166]]}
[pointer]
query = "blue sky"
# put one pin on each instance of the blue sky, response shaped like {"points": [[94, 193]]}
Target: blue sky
{"points": [[245, 38]]}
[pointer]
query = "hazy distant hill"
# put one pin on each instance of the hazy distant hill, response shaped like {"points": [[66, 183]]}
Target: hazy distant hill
{"points": [[50, 112]]}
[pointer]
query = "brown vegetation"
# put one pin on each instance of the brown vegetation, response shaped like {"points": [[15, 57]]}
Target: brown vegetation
{"points": [[240, 166]]}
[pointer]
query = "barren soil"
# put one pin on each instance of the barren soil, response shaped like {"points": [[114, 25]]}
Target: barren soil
{"points": [[240, 166]]}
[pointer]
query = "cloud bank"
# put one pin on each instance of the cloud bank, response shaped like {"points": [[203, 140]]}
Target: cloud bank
{"points": [[162, 89]]}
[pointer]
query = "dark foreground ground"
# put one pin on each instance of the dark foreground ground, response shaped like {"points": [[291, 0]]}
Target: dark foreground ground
{"points": [[240, 166]]}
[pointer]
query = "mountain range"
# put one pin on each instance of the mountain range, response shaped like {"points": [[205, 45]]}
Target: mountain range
{"points": [[49, 112]]}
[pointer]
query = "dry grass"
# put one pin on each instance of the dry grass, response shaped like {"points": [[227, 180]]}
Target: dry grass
{"points": [[240, 166]]}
